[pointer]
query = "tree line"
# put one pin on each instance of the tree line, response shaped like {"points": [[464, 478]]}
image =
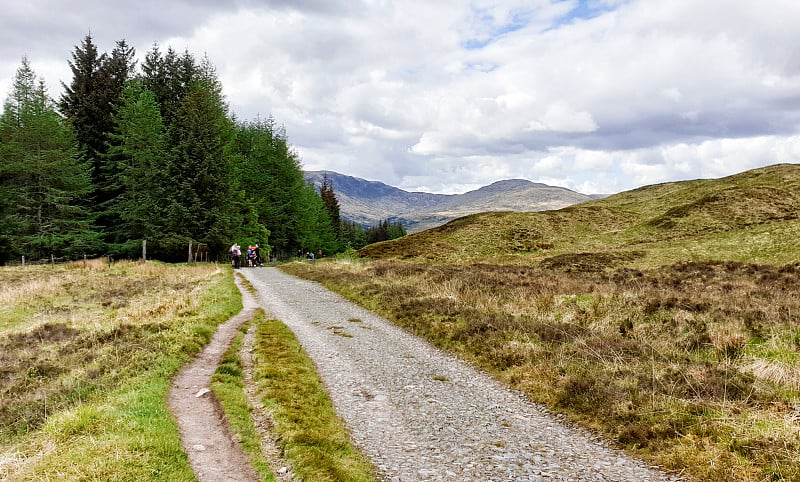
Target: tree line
{"points": [[131, 153]]}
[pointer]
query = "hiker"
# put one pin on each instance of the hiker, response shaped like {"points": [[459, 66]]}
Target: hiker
{"points": [[248, 259], [236, 252], [257, 252]]}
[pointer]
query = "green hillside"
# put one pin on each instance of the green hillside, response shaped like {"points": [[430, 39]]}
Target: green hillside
{"points": [[665, 318], [749, 217]]}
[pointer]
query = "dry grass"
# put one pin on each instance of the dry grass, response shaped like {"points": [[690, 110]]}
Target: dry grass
{"points": [[86, 352], [692, 366]]}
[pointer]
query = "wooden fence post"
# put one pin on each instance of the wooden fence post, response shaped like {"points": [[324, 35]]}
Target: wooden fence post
{"points": [[144, 250]]}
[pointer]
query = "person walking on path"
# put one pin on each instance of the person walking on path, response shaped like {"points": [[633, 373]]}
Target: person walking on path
{"points": [[236, 253]]}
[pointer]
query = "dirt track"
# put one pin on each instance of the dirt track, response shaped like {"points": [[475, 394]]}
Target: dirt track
{"points": [[420, 414], [214, 454]]}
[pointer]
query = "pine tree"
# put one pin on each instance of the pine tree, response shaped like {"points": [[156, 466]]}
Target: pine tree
{"points": [[42, 180], [169, 77], [88, 104], [315, 231], [84, 102], [140, 146], [352, 235], [328, 196], [200, 181], [114, 74], [385, 231]]}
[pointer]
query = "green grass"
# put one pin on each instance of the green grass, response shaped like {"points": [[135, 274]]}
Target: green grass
{"points": [[228, 385], [312, 436], [86, 370]]}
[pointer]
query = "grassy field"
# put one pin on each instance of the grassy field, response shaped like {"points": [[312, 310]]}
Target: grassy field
{"points": [[666, 318], [87, 352]]}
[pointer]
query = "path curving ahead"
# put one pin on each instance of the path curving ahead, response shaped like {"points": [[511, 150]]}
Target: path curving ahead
{"points": [[214, 454], [423, 415]]}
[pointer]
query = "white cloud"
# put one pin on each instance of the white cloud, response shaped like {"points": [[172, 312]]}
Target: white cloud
{"points": [[598, 96]]}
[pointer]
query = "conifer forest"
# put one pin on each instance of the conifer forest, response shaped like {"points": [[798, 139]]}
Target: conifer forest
{"points": [[149, 154]]}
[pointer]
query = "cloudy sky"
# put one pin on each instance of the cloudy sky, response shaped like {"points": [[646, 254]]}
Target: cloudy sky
{"points": [[445, 96]]}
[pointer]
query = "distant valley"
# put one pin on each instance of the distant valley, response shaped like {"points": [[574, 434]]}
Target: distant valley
{"points": [[368, 202]]}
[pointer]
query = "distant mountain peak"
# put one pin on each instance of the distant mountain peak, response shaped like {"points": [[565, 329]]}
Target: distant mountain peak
{"points": [[369, 202], [512, 184]]}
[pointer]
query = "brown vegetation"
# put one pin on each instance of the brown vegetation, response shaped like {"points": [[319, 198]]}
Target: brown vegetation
{"points": [[667, 317], [687, 365]]}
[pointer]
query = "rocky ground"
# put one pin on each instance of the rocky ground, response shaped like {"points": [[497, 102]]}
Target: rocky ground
{"points": [[421, 414]]}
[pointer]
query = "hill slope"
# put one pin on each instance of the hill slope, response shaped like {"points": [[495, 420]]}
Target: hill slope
{"points": [[750, 216], [368, 202]]}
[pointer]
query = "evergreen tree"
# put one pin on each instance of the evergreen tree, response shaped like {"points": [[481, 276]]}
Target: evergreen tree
{"points": [[385, 231], [328, 196], [169, 77], [140, 146], [352, 235], [199, 171], [85, 102], [272, 180], [42, 180], [88, 104], [315, 231], [115, 73]]}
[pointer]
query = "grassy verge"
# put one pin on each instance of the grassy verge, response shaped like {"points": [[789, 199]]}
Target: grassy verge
{"points": [[228, 386], [691, 366], [86, 354], [312, 437]]}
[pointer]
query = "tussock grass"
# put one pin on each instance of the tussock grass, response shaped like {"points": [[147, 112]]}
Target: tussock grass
{"points": [[85, 364], [691, 366], [666, 318]]}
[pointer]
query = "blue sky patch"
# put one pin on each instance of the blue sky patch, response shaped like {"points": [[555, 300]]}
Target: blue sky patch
{"points": [[584, 10], [490, 30]]}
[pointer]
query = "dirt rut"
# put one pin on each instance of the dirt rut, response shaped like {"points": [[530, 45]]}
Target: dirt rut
{"points": [[214, 453]]}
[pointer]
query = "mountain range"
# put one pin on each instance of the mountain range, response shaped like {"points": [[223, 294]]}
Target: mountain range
{"points": [[369, 202]]}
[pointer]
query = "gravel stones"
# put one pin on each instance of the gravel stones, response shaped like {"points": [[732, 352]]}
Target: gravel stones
{"points": [[423, 415]]}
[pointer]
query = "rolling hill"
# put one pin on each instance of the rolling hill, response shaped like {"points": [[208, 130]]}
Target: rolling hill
{"points": [[752, 216], [368, 202], [665, 317]]}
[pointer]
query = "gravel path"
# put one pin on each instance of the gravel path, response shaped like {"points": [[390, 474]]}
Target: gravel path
{"points": [[422, 415]]}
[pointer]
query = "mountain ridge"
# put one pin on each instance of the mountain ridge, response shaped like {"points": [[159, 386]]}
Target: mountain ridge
{"points": [[753, 213], [369, 202]]}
